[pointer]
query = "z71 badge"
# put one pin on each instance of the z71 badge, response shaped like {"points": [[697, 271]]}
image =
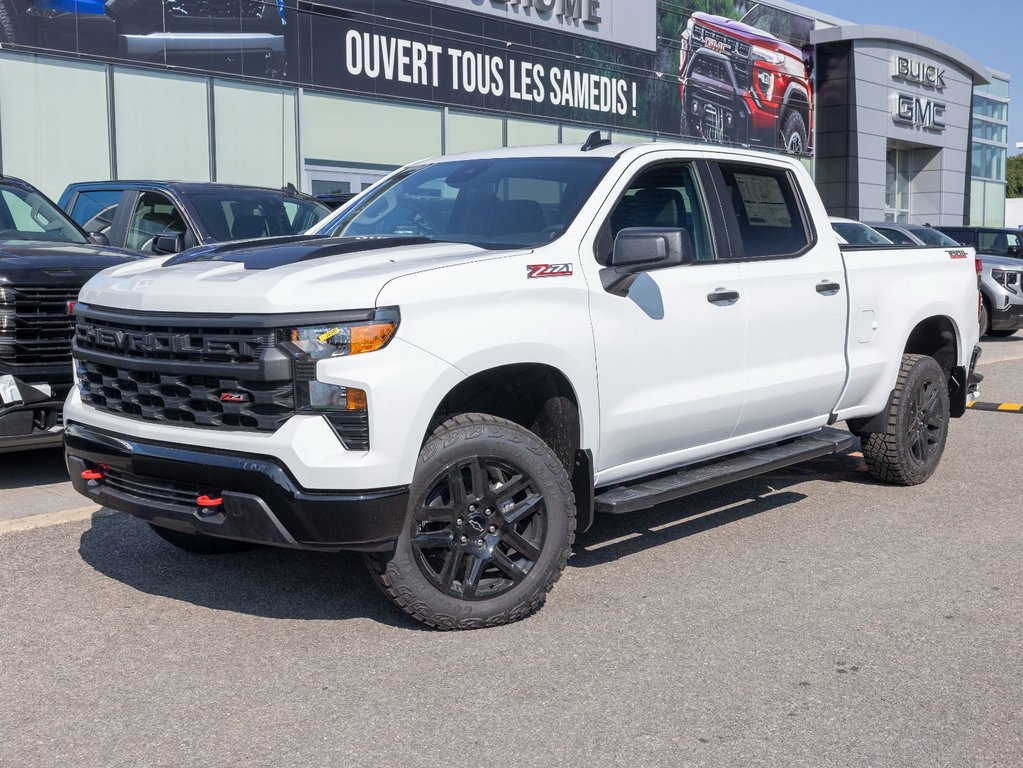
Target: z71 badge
{"points": [[534, 271]]}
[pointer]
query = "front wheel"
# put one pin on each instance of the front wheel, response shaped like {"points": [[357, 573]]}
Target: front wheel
{"points": [[908, 451], [489, 529]]}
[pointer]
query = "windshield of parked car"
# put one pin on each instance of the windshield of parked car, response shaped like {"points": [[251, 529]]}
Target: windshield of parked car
{"points": [[491, 203], [855, 233], [931, 236], [242, 214], [27, 215], [785, 26]]}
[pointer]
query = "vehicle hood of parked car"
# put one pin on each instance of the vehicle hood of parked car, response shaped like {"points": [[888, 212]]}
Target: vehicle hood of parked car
{"points": [[290, 274], [67, 259], [1002, 262]]}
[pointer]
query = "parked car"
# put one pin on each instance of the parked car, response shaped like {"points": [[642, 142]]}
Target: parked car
{"points": [[243, 36], [857, 233], [455, 383], [1001, 253], [44, 260], [912, 234], [335, 200], [748, 81], [155, 217]]}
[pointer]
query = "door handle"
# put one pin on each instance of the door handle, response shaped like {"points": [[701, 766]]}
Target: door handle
{"points": [[828, 288], [723, 298]]}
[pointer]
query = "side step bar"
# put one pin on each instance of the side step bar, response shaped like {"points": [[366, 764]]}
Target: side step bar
{"points": [[646, 492]]}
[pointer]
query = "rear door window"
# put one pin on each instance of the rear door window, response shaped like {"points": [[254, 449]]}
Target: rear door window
{"points": [[94, 209], [769, 213]]}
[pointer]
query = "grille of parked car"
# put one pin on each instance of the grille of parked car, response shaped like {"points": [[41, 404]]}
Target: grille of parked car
{"points": [[216, 9], [160, 371], [35, 325]]}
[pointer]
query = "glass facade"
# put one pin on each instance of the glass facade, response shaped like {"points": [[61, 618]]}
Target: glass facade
{"points": [[989, 150]]}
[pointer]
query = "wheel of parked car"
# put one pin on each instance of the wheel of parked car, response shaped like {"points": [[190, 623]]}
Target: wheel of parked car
{"points": [[908, 450], [985, 318], [490, 527], [793, 132], [198, 544]]}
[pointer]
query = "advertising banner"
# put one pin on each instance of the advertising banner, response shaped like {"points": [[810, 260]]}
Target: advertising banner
{"points": [[721, 70]]}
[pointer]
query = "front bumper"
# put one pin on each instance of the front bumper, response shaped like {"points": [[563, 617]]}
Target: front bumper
{"points": [[29, 419], [262, 503], [1008, 319]]}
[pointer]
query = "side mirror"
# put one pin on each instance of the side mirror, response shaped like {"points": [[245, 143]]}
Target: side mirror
{"points": [[171, 243], [643, 249], [98, 238]]}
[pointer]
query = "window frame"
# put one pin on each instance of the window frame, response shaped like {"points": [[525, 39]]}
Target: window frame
{"points": [[131, 204]]}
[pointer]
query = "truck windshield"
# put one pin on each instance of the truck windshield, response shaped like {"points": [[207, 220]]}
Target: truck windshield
{"points": [[491, 203], [27, 215], [242, 214]]}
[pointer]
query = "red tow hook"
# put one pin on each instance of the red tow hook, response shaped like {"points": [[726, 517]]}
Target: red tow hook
{"points": [[92, 474], [209, 501]]}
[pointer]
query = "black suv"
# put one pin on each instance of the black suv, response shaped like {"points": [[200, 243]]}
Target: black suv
{"points": [[44, 259], [155, 217]]}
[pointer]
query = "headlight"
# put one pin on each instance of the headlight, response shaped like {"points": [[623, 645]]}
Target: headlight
{"points": [[765, 54], [345, 408], [998, 276], [318, 342]]}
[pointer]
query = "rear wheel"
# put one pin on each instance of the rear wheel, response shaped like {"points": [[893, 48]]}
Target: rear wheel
{"points": [[490, 527], [908, 451], [198, 544], [793, 133], [10, 23]]}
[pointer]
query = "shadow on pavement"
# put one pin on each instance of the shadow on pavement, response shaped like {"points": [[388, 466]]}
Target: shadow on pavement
{"points": [[25, 469], [1015, 339], [266, 581], [617, 536], [285, 584]]}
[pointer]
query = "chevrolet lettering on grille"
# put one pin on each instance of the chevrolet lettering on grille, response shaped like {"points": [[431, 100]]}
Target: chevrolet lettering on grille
{"points": [[147, 342]]}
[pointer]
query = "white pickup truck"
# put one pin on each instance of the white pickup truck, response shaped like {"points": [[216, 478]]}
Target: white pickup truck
{"points": [[481, 351]]}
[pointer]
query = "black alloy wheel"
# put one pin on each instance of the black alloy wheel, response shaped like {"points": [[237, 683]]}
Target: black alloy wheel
{"points": [[490, 526], [926, 423], [480, 529]]}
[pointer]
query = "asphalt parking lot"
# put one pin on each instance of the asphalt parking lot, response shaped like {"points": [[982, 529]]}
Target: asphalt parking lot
{"points": [[811, 617]]}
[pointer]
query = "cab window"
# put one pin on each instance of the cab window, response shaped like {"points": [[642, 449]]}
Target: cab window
{"points": [[665, 195], [94, 209], [154, 215], [768, 211]]}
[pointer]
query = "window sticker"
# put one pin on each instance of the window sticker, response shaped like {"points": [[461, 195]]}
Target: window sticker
{"points": [[763, 200]]}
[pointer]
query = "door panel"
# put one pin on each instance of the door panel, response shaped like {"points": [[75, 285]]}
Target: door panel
{"points": [[669, 362], [796, 302]]}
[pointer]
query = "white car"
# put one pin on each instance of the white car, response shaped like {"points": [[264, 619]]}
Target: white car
{"points": [[482, 351]]}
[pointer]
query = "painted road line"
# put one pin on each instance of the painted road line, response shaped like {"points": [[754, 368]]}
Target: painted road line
{"points": [[1001, 407], [50, 519]]}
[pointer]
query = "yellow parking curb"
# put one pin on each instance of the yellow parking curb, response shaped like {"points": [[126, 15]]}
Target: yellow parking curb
{"points": [[1003, 407], [50, 519]]}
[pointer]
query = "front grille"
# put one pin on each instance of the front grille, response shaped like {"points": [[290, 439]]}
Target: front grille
{"points": [[160, 341], [182, 398], [147, 488], [35, 327], [216, 9], [737, 51], [721, 42]]}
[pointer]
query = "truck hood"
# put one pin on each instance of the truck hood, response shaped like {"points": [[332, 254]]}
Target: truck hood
{"points": [[66, 263], [283, 275], [1004, 262]]}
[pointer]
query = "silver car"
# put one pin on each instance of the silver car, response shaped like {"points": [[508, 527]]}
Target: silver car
{"points": [[1001, 277]]}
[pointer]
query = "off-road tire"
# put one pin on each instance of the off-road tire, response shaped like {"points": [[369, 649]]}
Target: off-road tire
{"points": [[985, 318], [793, 129], [198, 544], [917, 418], [683, 125], [451, 451]]}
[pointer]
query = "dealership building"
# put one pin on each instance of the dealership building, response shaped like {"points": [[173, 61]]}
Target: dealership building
{"points": [[330, 95]]}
